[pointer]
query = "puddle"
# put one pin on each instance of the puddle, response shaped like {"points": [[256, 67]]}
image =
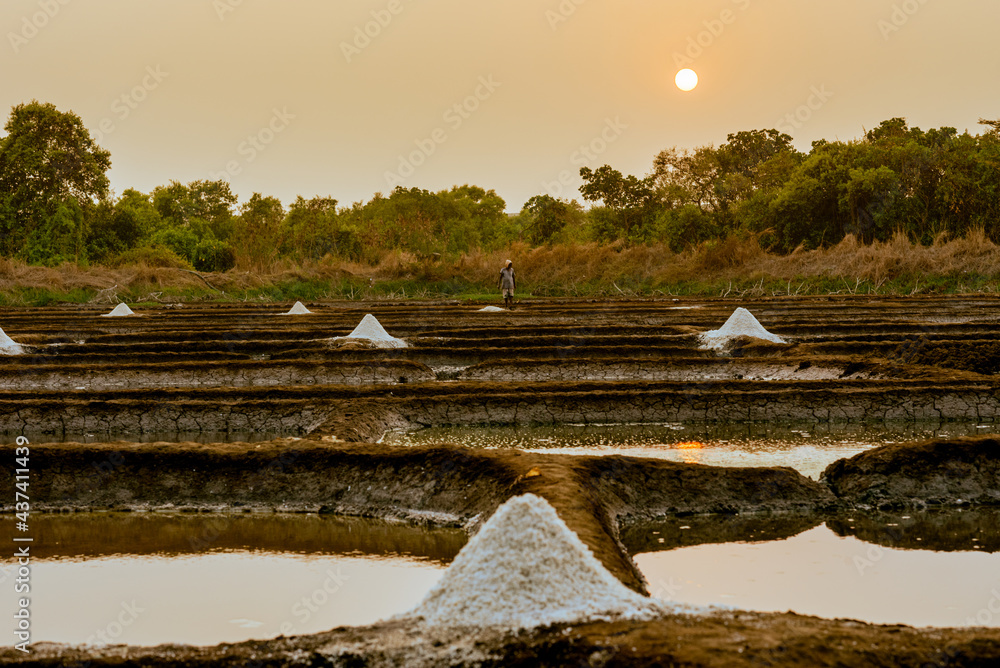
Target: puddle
{"points": [[808, 448], [818, 572], [146, 579]]}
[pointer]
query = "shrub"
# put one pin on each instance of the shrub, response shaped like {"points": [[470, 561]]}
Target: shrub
{"points": [[150, 256], [213, 255]]}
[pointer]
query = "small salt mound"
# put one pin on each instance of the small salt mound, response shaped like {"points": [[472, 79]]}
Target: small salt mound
{"points": [[298, 309], [491, 309], [9, 346], [120, 310], [371, 329], [526, 568], [741, 323]]}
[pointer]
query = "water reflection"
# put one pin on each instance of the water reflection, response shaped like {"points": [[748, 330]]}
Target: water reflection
{"points": [[807, 447], [150, 578], [90, 535], [951, 530], [818, 572]]}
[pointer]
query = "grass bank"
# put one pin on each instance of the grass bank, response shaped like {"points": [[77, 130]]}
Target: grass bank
{"points": [[730, 267]]}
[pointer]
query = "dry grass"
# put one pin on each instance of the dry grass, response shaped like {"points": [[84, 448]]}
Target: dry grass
{"points": [[586, 269], [884, 261]]}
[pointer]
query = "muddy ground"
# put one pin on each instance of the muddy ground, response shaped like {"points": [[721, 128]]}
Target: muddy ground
{"points": [[613, 503], [239, 368]]}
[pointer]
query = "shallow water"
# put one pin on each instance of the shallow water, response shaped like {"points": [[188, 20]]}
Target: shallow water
{"points": [[818, 572], [145, 579], [808, 448]]}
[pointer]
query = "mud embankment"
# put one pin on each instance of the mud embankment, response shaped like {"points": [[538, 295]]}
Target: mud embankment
{"points": [[460, 487], [77, 413], [624, 369], [364, 412], [437, 485], [230, 373], [958, 471], [862, 401]]}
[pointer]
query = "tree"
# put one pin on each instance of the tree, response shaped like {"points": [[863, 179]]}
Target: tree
{"points": [[202, 205], [744, 151], [50, 168], [547, 216], [632, 202], [687, 177], [111, 230], [312, 229], [141, 207], [257, 235]]}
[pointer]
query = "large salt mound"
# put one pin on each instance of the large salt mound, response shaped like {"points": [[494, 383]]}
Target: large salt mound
{"points": [[120, 310], [371, 329], [298, 309], [741, 323], [9, 346], [526, 568]]}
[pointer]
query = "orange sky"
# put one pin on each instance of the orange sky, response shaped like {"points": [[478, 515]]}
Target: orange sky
{"points": [[292, 98]]}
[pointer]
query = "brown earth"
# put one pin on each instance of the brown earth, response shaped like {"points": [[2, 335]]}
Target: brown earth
{"points": [[940, 472], [722, 639], [448, 485], [849, 358], [437, 485]]}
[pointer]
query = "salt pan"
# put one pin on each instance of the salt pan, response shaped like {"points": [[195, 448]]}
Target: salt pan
{"points": [[741, 323], [298, 309], [371, 329], [526, 568], [9, 346], [120, 310]]}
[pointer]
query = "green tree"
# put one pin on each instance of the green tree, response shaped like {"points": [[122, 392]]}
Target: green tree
{"points": [[309, 229], [201, 205], [687, 177], [50, 168], [631, 202], [112, 229], [257, 234], [140, 205], [545, 217]]}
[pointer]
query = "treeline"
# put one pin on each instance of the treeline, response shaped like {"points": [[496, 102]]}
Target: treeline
{"points": [[55, 207], [895, 179], [55, 204]]}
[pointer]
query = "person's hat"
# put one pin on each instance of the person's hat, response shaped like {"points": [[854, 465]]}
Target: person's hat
{"points": [[508, 263]]}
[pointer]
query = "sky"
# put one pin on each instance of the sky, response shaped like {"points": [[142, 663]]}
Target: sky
{"points": [[346, 98]]}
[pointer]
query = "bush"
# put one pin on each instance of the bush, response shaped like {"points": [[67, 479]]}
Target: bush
{"points": [[181, 240], [213, 255], [150, 256]]}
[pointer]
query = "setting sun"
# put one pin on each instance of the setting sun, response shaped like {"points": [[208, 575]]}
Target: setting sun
{"points": [[686, 80]]}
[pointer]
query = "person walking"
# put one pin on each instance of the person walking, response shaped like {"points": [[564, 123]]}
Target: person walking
{"points": [[507, 284]]}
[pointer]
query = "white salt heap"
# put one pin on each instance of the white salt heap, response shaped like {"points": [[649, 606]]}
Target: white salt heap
{"points": [[9, 346], [120, 310], [491, 309], [526, 568], [298, 309], [371, 329], [740, 323]]}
